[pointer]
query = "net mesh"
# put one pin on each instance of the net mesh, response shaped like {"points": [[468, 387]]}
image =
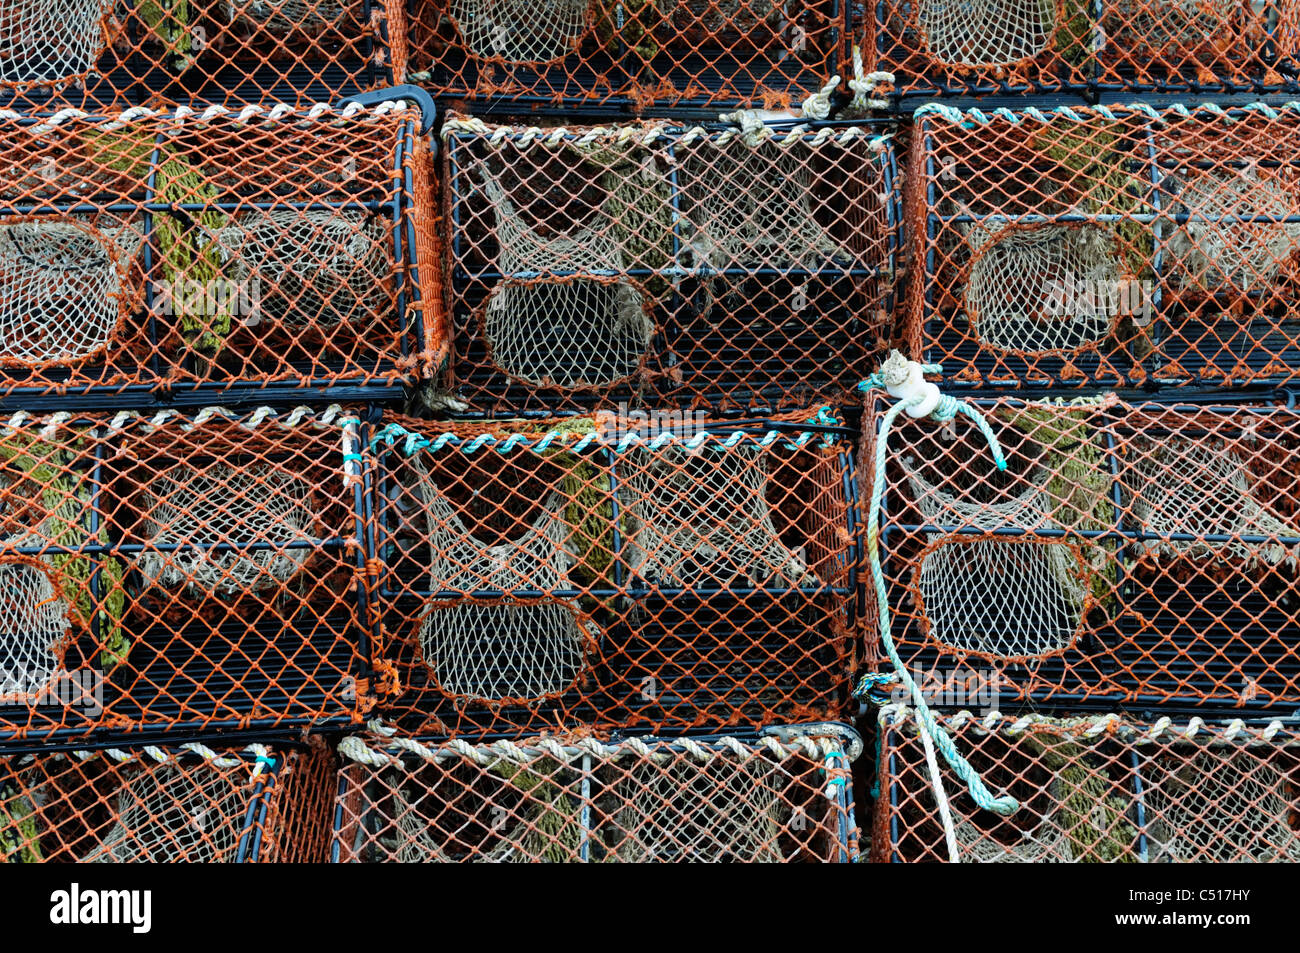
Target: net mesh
{"points": [[1213, 247], [34, 626], [163, 804], [1007, 597], [1131, 793], [97, 55], [574, 332], [1021, 291], [157, 566], [988, 33], [1223, 807], [279, 251], [167, 815], [737, 800], [517, 32], [63, 292], [652, 53], [1193, 488], [536, 579], [1044, 46], [1114, 247], [321, 267], [1129, 550], [657, 265], [498, 653], [195, 510], [42, 41], [703, 518]]}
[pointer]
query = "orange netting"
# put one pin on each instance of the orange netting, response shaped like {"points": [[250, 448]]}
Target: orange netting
{"points": [[1128, 245], [1129, 553], [173, 252], [530, 581], [1038, 46], [611, 263], [639, 54], [714, 800], [98, 54], [163, 805], [1095, 790], [177, 573]]}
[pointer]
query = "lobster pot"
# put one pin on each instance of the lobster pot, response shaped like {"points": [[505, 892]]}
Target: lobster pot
{"points": [[1105, 246], [1149, 551], [947, 48], [601, 264], [90, 54], [1132, 792], [503, 53], [782, 797], [194, 254], [163, 805], [545, 570], [178, 573]]}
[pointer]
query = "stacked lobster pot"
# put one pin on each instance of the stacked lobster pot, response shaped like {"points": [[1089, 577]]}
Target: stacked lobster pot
{"points": [[1084, 552], [218, 202], [624, 504]]}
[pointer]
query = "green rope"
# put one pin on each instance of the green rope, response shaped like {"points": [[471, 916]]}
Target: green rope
{"points": [[948, 408], [65, 501], [169, 21], [553, 835], [189, 255], [19, 836]]}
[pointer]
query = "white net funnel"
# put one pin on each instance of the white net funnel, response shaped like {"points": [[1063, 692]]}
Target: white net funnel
{"points": [[1194, 487], [34, 626], [169, 815], [986, 33], [1045, 843], [505, 652], [192, 510], [750, 205], [582, 327], [285, 16], [1213, 249], [519, 31], [63, 291], [537, 559], [686, 811], [1005, 597], [701, 518], [315, 268], [1222, 807], [1041, 289], [47, 41]]}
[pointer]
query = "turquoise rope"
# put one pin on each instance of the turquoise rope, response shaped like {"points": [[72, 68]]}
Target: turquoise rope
{"points": [[948, 409], [410, 443]]}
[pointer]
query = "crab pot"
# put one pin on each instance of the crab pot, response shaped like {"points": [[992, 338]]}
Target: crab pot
{"points": [[1149, 551], [784, 798], [1002, 47], [593, 265], [503, 54], [1106, 246], [165, 805], [188, 257], [1094, 790], [178, 573], [99, 54], [542, 571]]}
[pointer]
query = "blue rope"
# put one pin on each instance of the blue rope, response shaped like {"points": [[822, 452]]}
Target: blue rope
{"points": [[949, 408]]}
